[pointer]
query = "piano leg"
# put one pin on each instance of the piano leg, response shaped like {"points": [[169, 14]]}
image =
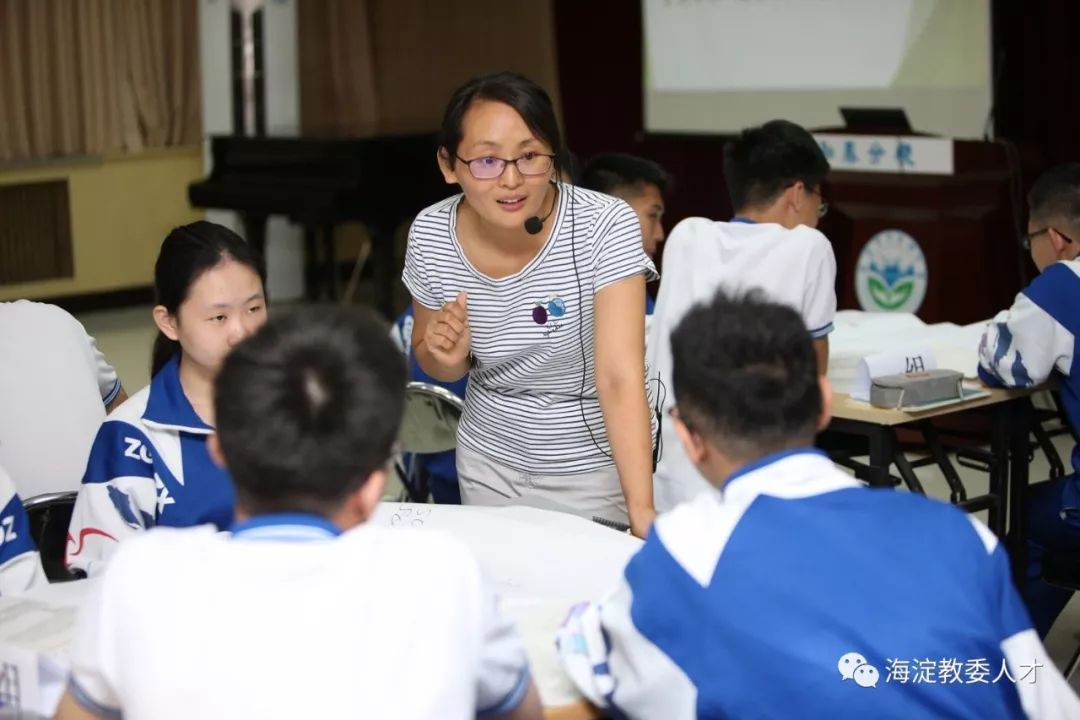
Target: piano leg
{"points": [[320, 265], [383, 270], [331, 276], [255, 232], [311, 262]]}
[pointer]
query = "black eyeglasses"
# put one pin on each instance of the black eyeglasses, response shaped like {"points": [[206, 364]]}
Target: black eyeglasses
{"points": [[1025, 241], [823, 207], [490, 167]]}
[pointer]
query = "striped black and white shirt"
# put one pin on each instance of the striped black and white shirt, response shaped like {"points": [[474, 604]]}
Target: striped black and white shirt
{"points": [[532, 332]]}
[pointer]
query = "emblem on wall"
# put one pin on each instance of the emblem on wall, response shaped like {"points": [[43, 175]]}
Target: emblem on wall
{"points": [[890, 274]]}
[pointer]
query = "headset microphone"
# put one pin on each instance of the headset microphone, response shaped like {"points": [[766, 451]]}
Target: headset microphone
{"points": [[535, 224]]}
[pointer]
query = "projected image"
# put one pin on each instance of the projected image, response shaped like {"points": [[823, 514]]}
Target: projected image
{"points": [[805, 58]]}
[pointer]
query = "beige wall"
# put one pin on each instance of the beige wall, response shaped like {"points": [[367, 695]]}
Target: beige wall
{"points": [[121, 208]]}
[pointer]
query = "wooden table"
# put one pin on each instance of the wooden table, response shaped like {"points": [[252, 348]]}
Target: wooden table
{"points": [[1011, 414], [581, 710]]}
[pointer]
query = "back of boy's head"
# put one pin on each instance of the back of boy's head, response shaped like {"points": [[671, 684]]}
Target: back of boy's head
{"points": [[745, 376], [624, 175], [1055, 198], [308, 408], [763, 161]]}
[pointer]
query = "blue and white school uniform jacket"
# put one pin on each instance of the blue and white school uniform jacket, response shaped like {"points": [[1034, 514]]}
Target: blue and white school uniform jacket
{"points": [[20, 564], [148, 466], [797, 592], [1024, 345]]}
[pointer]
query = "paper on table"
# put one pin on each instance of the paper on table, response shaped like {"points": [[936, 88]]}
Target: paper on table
{"points": [[541, 562], [860, 334], [35, 631], [527, 553]]}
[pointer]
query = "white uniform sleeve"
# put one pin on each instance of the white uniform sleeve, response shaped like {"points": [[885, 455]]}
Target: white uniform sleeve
{"points": [[94, 648], [401, 333], [819, 294], [615, 667], [504, 675], [20, 563], [1044, 693], [1025, 343], [108, 381], [672, 301], [117, 499]]}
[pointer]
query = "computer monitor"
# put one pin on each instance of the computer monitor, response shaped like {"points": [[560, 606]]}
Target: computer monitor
{"points": [[876, 119]]}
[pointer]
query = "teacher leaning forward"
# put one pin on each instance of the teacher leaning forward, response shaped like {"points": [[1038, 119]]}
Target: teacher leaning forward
{"points": [[536, 289]]}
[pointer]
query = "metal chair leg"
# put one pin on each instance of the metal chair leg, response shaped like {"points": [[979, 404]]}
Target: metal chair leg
{"points": [[1073, 664], [908, 473], [957, 492]]}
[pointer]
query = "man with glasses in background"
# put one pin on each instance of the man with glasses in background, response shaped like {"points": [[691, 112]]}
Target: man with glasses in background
{"points": [[1026, 344], [774, 174]]}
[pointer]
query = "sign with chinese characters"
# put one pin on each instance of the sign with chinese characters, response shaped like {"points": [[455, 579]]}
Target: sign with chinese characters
{"points": [[897, 362], [887, 153]]}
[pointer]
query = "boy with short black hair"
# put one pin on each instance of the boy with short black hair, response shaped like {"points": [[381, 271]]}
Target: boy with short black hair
{"points": [[788, 588], [296, 612], [642, 183], [1027, 344], [774, 174]]}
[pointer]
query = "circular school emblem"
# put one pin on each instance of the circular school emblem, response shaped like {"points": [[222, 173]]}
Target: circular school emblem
{"points": [[890, 274]]}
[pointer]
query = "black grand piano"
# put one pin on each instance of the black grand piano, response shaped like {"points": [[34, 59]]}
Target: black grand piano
{"points": [[318, 183]]}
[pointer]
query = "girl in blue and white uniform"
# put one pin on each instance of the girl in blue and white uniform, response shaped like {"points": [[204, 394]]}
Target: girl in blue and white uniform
{"points": [[149, 463]]}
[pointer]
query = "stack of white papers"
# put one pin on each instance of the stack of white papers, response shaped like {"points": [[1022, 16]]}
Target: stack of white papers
{"points": [[860, 334], [35, 631]]}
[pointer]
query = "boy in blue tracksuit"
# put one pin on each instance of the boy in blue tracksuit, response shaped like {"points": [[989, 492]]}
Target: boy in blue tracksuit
{"points": [[1027, 344], [441, 468]]}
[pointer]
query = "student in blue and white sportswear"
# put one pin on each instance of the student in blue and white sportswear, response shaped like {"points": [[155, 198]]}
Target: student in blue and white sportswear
{"points": [[789, 589], [441, 468], [1027, 344], [149, 464], [20, 563], [774, 175], [286, 617]]}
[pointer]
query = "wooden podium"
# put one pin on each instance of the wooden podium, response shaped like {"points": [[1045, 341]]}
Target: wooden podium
{"points": [[966, 225]]}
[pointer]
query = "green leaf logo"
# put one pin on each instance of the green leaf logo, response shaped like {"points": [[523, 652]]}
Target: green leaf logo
{"points": [[890, 299]]}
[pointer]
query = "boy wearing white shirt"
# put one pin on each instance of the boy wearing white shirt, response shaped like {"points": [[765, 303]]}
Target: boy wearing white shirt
{"points": [[292, 615], [57, 387], [774, 175]]}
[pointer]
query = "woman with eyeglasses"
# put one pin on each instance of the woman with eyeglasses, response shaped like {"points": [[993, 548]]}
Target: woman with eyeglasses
{"points": [[536, 289]]}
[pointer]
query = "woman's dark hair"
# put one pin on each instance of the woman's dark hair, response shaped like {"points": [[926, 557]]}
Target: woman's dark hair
{"points": [[186, 253], [526, 97]]}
